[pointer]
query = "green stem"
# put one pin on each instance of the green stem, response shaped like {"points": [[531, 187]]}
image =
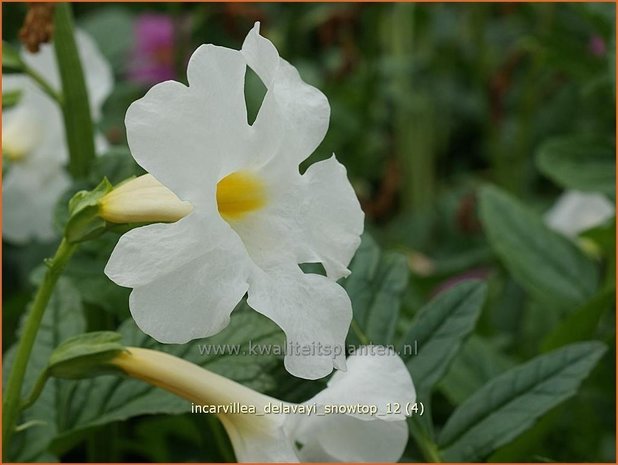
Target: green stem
{"points": [[76, 107], [422, 432], [43, 84], [430, 451], [11, 405], [362, 337], [36, 390]]}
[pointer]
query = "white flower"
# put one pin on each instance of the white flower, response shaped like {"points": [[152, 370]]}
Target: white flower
{"points": [[254, 217], [575, 212], [33, 141], [376, 379]]}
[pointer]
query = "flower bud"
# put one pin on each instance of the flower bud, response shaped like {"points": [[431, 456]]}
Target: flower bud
{"points": [[142, 200]]}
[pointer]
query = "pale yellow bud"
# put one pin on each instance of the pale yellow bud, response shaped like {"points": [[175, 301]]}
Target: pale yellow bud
{"points": [[142, 200]]}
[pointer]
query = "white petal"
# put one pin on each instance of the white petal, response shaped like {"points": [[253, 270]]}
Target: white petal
{"points": [[375, 376], [575, 212], [16, 82], [29, 197], [330, 216], [97, 72], [145, 254], [294, 116], [35, 124], [333, 232], [253, 442], [187, 277], [190, 137], [194, 301], [314, 313], [314, 218], [340, 438]]}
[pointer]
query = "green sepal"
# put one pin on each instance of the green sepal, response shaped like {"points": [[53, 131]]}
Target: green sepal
{"points": [[84, 221], [85, 355]]}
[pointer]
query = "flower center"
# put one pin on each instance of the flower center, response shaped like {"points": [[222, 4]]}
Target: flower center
{"points": [[238, 194]]}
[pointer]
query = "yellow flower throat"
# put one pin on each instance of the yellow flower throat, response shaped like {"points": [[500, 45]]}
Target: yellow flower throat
{"points": [[238, 194]]}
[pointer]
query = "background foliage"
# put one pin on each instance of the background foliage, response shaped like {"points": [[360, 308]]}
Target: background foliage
{"points": [[459, 125]]}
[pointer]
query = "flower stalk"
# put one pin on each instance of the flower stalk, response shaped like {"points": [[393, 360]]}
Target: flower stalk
{"points": [[76, 107], [12, 402]]}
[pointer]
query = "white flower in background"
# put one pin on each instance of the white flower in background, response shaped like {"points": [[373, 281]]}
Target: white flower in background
{"points": [[254, 217], [376, 378], [575, 212], [33, 141]]}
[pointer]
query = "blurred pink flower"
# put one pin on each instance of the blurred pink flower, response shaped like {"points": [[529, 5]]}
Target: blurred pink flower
{"points": [[152, 59], [596, 45]]}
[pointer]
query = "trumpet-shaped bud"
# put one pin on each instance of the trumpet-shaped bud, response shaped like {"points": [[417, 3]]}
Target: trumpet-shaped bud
{"points": [[142, 200], [353, 419]]}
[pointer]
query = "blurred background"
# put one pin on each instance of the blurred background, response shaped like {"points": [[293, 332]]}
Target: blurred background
{"points": [[429, 102]]}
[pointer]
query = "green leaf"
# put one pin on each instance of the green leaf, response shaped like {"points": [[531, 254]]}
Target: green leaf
{"points": [[477, 362], [549, 266], [438, 331], [10, 58], [10, 99], [376, 287], [511, 403], [63, 318], [76, 107], [581, 324], [85, 355], [114, 398], [581, 162], [86, 270]]}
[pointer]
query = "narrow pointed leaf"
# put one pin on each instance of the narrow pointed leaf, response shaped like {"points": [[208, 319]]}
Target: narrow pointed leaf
{"points": [[376, 287], [549, 266], [582, 162], [438, 331], [511, 403]]}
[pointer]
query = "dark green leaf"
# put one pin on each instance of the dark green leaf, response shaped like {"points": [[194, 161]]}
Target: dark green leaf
{"points": [[376, 287], [581, 324], [546, 264], [438, 331], [582, 162], [477, 362], [511, 403], [63, 318], [113, 398]]}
